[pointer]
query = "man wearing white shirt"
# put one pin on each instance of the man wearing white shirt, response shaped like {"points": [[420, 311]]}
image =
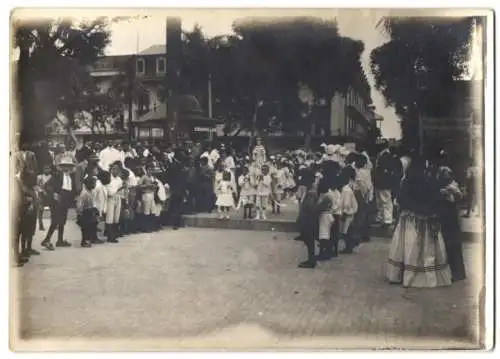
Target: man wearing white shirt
{"points": [[61, 189], [108, 156], [113, 205]]}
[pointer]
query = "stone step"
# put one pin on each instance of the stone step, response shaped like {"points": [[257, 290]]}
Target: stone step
{"points": [[206, 220]]}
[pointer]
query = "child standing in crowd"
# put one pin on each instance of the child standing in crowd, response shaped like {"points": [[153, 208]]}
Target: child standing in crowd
{"points": [[114, 202], [307, 221], [246, 192], [349, 207], [42, 180], [217, 179], [289, 184], [125, 214], [29, 214], [363, 190], [88, 214], [301, 190], [159, 203], [263, 192], [325, 210], [225, 200], [147, 185], [278, 183]]}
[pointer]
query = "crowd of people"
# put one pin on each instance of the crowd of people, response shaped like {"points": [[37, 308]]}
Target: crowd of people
{"points": [[118, 188]]}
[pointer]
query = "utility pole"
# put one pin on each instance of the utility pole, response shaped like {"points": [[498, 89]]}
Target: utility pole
{"points": [[210, 115]]}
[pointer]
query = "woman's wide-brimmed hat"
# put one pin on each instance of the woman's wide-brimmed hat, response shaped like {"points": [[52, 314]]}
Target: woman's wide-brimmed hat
{"points": [[66, 161]]}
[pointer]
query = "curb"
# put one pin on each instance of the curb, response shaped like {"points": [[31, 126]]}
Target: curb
{"points": [[286, 226]]}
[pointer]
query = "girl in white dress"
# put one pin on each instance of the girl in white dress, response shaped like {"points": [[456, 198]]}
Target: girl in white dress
{"points": [[225, 199], [263, 192], [219, 171], [247, 192]]}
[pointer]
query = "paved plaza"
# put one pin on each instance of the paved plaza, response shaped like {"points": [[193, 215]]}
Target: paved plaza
{"points": [[194, 282]]}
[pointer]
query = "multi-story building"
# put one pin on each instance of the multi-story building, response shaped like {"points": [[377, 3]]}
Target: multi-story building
{"points": [[350, 116], [149, 104]]}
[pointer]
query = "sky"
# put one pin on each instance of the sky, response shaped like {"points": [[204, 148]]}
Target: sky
{"points": [[137, 35]]}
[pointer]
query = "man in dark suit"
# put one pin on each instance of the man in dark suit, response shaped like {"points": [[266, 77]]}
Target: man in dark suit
{"points": [[61, 189]]}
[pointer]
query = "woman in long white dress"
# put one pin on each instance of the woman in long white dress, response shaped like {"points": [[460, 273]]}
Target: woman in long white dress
{"points": [[417, 256]]}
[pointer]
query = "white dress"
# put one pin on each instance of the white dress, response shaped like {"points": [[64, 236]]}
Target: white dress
{"points": [[225, 194], [280, 180], [259, 155], [247, 191], [289, 181]]}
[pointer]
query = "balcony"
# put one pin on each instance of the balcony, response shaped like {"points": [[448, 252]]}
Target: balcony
{"points": [[108, 66], [357, 115]]}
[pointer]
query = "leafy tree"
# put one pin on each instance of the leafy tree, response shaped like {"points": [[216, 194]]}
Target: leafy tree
{"points": [[52, 54], [254, 72], [415, 69]]}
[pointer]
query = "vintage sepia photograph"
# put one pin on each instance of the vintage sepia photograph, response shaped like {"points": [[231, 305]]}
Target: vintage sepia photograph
{"points": [[248, 179]]}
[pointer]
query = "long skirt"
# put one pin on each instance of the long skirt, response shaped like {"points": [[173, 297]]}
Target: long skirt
{"points": [[417, 256], [452, 235], [384, 206]]}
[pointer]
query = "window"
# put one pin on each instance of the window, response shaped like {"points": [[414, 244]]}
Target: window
{"points": [[141, 67], [161, 65], [157, 132], [144, 133]]}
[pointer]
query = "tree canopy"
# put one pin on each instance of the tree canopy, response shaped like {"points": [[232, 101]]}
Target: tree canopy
{"points": [[264, 61], [421, 60], [51, 75]]}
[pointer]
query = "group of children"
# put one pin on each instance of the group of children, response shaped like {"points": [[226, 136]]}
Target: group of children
{"points": [[258, 187], [334, 206], [127, 201]]}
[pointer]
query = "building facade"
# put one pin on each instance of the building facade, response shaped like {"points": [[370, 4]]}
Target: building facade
{"points": [[350, 116]]}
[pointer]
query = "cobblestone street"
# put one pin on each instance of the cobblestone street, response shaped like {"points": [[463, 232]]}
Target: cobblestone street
{"points": [[193, 282]]}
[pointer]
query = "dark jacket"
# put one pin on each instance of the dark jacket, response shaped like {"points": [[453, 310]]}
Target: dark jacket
{"points": [[54, 185], [307, 221]]}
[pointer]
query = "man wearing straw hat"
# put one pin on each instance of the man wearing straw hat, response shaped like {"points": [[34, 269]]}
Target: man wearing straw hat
{"points": [[61, 190]]}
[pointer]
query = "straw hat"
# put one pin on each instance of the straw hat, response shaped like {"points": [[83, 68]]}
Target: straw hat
{"points": [[330, 150]]}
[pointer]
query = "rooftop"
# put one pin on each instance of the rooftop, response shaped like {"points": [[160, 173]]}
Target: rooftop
{"points": [[155, 50]]}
